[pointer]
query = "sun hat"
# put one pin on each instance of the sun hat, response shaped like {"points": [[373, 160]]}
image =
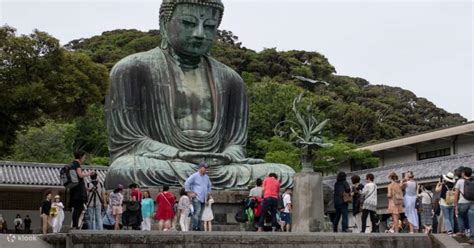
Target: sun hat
{"points": [[449, 177]]}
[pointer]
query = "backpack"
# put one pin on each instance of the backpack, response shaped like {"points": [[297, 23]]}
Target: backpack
{"points": [[280, 205], [133, 206], [250, 202], [68, 177], [257, 210], [241, 216], [450, 193], [469, 189]]}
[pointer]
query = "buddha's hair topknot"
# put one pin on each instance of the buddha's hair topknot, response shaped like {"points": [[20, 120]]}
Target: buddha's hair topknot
{"points": [[168, 6]]}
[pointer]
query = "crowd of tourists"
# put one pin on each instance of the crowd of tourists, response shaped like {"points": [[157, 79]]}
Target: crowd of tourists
{"points": [[132, 207], [412, 206], [135, 208], [265, 208]]}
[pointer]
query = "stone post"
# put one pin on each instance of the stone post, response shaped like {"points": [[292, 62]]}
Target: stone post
{"points": [[308, 202]]}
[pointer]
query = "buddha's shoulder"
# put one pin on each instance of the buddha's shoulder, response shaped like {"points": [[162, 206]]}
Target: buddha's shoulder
{"points": [[142, 59], [224, 70]]}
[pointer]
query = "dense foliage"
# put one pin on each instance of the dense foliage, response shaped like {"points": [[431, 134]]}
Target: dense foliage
{"points": [[40, 79]]}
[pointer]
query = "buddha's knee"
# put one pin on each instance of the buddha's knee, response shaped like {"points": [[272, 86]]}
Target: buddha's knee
{"points": [[142, 170]]}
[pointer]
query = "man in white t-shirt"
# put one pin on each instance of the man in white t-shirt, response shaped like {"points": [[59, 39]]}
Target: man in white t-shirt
{"points": [[285, 215], [257, 190], [464, 209]]}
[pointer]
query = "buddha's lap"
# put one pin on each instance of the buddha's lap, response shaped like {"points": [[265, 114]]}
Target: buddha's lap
{"points": [[152, 172]]}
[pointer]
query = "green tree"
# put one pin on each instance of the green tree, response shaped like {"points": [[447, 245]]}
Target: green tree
{"points": [[330, 159], [280, 151], [39, 79], [270, 103], [111, 46], [51, 143], [91, 132]]}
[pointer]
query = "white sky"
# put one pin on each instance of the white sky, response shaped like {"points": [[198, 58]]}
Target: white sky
{"points": [[423, 46]]}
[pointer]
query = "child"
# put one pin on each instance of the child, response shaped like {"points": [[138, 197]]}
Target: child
{"points": [[115, 204], [185, 210], [58, 218], [207, 215]]}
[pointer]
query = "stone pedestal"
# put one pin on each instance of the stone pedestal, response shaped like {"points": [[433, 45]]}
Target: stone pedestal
{"points": [[308, 203]]}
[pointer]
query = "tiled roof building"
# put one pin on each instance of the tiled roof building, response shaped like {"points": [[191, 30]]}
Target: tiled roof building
{"points": [[37, 174], [428, 170], [429, 155]]}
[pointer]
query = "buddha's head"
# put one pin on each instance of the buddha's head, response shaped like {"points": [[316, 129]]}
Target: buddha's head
{"points": [[189, 27]]}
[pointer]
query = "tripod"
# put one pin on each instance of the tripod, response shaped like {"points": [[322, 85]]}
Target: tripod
{"points": [[93, 200]]}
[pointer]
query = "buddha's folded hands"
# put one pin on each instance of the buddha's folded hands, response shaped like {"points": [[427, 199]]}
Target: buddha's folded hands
{"points": [[210, 158]]}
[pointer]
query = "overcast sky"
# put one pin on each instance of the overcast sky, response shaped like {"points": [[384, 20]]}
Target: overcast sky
{"points": [[422, 46]]}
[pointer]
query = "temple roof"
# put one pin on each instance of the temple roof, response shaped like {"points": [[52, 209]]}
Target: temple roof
{"points": [[38, 174], [428, 170], [461, 129]]}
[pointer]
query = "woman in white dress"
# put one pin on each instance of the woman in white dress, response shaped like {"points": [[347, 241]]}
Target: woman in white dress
{"points": [[207, 215], [58, 214], [410, 187]]}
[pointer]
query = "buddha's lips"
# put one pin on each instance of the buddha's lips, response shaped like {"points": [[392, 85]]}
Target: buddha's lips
{"points": [[196, 43]]}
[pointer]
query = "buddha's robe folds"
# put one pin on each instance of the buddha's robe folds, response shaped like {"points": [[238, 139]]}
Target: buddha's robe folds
{"points": [[144, 138]]}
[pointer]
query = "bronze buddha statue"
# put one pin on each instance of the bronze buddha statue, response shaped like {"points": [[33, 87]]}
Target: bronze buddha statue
{"points": [[172, 107]]}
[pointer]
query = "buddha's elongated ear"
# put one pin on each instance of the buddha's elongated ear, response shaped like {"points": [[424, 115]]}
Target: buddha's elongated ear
{"points": [[164, 34]]}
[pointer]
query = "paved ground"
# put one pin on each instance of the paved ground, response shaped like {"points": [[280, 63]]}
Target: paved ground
{"points": [[22, 241]]}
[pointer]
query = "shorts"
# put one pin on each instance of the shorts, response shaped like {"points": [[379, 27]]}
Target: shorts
{"points": [[117, 210], [285, 217]]}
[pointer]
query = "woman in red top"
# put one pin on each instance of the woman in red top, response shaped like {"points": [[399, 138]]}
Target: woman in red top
{"points": [[165, 210]]}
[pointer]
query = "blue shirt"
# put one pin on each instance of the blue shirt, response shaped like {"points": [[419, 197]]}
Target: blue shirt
{"points": [[148, 207], [199, 184]]}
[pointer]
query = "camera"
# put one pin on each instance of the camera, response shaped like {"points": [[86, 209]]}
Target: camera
{"points": [[94, 182]]}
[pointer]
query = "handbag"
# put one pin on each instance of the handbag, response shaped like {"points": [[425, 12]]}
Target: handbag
{"points": [[418, 206], [398, 197], [53, 212], [347, 197]]}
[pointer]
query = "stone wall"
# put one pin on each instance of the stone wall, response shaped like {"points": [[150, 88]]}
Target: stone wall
{"points": [[137, 239]]}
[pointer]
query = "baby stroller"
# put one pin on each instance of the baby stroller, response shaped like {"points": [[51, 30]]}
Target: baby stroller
{"points": [[108, 220]]}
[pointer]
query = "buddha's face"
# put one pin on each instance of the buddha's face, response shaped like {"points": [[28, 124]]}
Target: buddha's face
{"points": [[192, 29]]}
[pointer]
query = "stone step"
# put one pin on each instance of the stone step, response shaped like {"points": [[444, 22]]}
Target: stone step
{"points": [[140, 239], [215, 227]]}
